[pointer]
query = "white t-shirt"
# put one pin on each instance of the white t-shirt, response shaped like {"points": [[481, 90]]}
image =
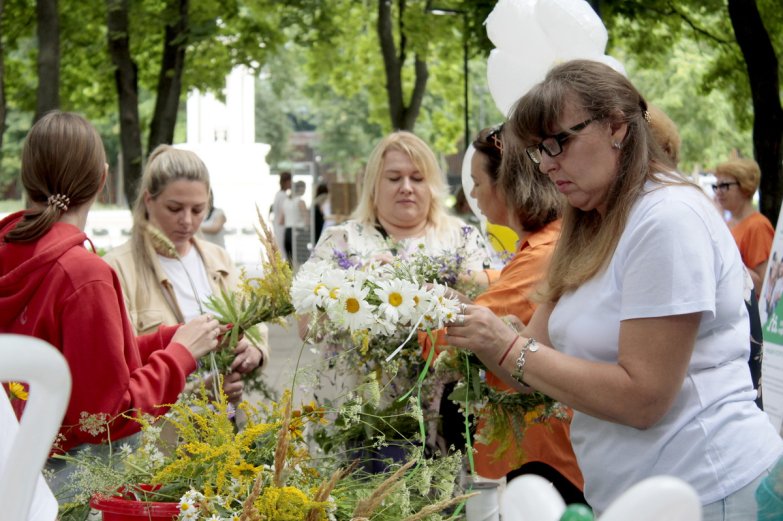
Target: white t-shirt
{"points": [[182, 288], [675, 256], [292, 212]]}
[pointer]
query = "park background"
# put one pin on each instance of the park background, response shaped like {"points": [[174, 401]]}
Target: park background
{"points": [[257, 87]]}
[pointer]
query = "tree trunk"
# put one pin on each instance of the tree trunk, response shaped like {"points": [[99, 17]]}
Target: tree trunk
{"points": [[762, 65], [48, 93], [172, 64], [126, 80], [3, 106], [402, 117]]}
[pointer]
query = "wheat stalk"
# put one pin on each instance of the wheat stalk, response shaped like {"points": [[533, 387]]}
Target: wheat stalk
{"points": [[437, 507], [366, 507], [281, 449], [249, 511], [326, 489]]}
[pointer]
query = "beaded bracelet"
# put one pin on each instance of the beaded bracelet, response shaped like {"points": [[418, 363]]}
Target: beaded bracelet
{"points": [[532, 346], [508, 350]]}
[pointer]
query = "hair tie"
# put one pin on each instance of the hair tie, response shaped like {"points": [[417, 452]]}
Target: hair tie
{"points": [[60, 201]]}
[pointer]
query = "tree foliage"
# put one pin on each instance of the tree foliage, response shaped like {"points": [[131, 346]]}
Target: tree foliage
{"points": [[652, 30]]}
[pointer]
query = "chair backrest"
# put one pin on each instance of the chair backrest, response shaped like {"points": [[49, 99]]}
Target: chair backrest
{"points": [[30, 360]]}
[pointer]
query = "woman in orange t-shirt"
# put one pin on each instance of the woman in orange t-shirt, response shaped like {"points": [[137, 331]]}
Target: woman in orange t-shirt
{"points": [[517, 197], [736, 182]]}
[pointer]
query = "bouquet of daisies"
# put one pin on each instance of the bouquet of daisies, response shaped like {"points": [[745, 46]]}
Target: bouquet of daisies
{"points": [[370, 303]]}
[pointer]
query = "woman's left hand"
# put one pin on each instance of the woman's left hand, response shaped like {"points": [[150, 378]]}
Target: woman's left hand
{"points": [[247, 358], [233, 387]]}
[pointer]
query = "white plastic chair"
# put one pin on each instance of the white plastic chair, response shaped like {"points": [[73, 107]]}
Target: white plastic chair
{"points": [[24, 447], [532, 498]]}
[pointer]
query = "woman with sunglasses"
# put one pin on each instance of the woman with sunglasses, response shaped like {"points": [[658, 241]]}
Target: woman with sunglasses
{"points": [[736, 182], [642, 328]]}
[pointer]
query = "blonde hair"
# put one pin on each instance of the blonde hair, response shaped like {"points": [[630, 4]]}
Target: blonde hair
{"points": [[745, 171], [63, 159], [165, 165], [423, 158], [588, 240], [665, 133]]}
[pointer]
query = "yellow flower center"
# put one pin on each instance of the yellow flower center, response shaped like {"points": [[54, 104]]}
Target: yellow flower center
{"points": [[318, 287], [395, 299], [352, 305], [334, 292], [416, 299]]}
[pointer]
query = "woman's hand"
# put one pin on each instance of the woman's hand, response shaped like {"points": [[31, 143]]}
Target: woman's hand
{"points": [[478, 329], [247, 358], [233, 386], [199, 336]]}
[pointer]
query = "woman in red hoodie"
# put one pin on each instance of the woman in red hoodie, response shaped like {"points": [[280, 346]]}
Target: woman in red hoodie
{"points": [[53, 288]]}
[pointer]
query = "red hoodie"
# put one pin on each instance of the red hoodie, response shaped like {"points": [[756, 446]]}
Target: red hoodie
{"points": [[56, 290]]}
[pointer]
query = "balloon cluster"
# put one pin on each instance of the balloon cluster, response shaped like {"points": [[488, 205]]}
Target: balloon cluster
{"points": [[531, 497], [530, 36]]}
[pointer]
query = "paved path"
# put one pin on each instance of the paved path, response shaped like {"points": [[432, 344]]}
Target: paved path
{"points": [[285, 347]]}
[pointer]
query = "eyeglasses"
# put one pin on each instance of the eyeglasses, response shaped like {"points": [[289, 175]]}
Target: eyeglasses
{"points": [[723, 187], [553, 145]]}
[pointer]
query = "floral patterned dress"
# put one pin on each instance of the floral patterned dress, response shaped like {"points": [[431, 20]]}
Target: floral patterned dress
{"points": [[456, 249]]}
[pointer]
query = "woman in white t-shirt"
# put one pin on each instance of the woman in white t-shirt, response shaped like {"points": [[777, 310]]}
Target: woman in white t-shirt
{"points": [[643, 329]]}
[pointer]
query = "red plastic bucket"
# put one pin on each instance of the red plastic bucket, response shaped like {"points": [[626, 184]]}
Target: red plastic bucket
{"points": [[115, 508]]}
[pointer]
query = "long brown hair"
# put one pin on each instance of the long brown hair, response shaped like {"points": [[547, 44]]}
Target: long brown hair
{"points": [[63, 157], [588, 240], [531, 197]]}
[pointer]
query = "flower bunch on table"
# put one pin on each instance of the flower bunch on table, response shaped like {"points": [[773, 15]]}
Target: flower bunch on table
{"points": [[263, 472]]}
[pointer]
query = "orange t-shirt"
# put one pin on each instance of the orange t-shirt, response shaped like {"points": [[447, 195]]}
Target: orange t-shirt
{"points": [[512, 294], [753, 236]]}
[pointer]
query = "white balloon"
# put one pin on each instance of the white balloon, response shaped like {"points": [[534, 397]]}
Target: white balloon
{"points": [[612, 62], [467, 183], [572, 28], [511, 75], [531, 498], [656, 498], [512, 26]]}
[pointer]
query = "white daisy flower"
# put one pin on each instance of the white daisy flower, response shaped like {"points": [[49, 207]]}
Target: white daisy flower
{"points": [[307, 292], [187, 508], [352, 309], [397, 299]]}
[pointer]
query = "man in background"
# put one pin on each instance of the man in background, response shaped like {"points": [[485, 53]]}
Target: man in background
{"points": [[277, 210]]}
